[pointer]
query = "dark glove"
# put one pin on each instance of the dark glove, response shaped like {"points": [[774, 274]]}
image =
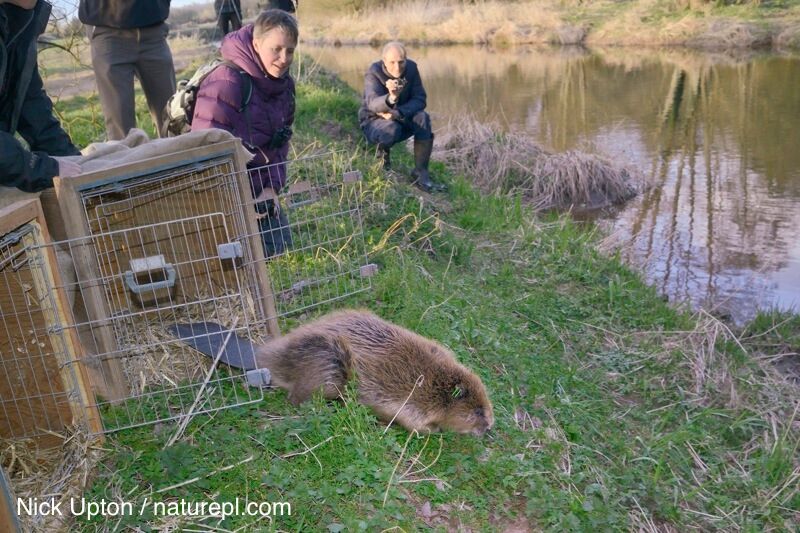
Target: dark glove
{"points": [[280, 137], [267, 208]]}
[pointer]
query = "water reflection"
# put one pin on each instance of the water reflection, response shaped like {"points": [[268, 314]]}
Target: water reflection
{"points": [[716, 135]]}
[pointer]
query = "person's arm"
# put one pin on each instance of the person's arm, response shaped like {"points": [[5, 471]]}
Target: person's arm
{"points": [[417, 97], [375, 93], [33, 170], [276, 175], [218, 100], [39, 126], [28, 171]]}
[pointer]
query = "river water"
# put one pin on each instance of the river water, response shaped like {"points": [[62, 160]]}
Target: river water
{"points": [[717, 136]]}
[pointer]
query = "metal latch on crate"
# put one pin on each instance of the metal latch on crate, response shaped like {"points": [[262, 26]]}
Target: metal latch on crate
{"points": [[259, 377], [230, 250], [150, 265]]}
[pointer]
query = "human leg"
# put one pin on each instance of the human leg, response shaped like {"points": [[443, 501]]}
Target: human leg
{"points": [[385, 134], [113, 58], [423, 147], [236, 21], [222, 24], [156, 71], [273, 223]]}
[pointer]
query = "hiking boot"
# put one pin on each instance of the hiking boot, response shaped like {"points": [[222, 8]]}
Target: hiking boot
{"points": [[383, 153], [422, 156]]}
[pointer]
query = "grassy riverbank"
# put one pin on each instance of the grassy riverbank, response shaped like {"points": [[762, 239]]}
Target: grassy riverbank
{"points": [[696, 23], [614, 411]]}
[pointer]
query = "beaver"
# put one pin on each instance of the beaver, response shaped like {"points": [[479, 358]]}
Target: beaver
{"points": [[402, 376]]}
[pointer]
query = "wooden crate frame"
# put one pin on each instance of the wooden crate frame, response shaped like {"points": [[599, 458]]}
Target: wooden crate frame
{"points": [[65, 349], [9, 521], [69, 194]]}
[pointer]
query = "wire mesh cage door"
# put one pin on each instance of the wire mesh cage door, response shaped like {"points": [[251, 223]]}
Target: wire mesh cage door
{"points": [[323, 257], [43, 388], [164, 244]]}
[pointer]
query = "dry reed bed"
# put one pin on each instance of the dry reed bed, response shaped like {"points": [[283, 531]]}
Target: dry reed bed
{"points": [[648, 22], [449, 21], [511, 162]]}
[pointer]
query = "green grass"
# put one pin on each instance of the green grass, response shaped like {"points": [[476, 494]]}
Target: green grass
{"points": [[601, 421], [82, 118]]}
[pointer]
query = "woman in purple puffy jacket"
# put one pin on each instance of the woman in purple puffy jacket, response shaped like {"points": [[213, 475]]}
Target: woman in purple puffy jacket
{"points": [[263, 51]]}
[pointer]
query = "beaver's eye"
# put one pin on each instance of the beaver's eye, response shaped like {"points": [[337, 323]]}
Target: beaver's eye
{"points": [[458, 392]]}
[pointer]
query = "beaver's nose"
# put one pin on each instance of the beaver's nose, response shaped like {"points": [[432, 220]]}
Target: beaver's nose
{"points": [[481, 428]]}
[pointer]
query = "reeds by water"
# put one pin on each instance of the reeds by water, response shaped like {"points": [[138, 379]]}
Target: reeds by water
{"points": [[511, 162]]}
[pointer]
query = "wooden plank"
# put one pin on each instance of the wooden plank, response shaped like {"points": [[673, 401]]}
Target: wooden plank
{"points": [[107, 378], [31, 395], [52, 215], [73, 371], [8, 514], [151, 164], [36, 388], [267, 303], [18, 214]]}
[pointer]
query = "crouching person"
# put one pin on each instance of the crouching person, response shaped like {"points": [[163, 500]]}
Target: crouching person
{"points": [[256, 104], [393, 109]]}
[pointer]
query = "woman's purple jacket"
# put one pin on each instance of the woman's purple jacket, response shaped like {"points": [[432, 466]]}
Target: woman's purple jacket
{"points": [[271, 107]]}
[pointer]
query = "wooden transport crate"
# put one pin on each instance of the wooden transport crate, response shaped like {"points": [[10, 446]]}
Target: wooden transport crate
{"points": [[43, 385], [165, 240]]}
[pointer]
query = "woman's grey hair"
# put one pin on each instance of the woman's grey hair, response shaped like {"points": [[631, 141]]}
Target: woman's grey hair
{"points": [[393, 44], [270, 19]]}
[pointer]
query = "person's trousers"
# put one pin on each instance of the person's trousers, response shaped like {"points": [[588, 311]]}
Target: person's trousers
{"points": [[227, 22], [390, 132], [119, 55]]}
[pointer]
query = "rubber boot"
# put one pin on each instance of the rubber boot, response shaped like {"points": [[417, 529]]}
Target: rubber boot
{"points": [[383, 153], [276, 236], [422, 156]]}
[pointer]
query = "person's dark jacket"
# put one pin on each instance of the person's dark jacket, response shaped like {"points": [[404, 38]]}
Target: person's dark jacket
{"points": [[123, 14], [228, 6], [411, 101], [25, 108], [285, 5]]}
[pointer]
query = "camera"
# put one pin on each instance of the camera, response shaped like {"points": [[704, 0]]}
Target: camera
{"points": [[401, 83]]}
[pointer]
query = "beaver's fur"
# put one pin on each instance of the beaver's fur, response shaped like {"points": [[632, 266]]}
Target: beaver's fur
{"points": [[402, 376]]}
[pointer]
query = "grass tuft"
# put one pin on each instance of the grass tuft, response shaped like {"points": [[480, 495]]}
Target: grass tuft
{"points": [[513, 163]]}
